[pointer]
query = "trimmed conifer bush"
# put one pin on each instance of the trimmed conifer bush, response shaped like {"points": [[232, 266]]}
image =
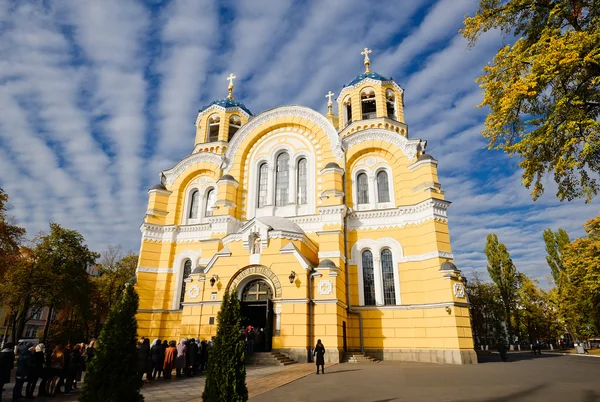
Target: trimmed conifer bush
{"points": [[112, 374], [226, 373]]}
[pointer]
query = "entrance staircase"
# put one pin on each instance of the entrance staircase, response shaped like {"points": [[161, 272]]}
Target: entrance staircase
{"points": [[269, 359], [358, 357]]}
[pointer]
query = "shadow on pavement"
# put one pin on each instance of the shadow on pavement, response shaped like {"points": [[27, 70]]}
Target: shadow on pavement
{"points": [[513, 357], [342, 371], [523, 395]]}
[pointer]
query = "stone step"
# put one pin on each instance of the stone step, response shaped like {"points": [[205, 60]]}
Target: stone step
{"points": [[356, 357]]}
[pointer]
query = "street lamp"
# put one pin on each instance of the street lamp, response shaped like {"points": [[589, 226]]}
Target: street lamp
{"points": [[292, 277], [214, 279]]}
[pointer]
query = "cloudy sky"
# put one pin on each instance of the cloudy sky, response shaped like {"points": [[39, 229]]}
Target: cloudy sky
{"points": [[96, 97]]}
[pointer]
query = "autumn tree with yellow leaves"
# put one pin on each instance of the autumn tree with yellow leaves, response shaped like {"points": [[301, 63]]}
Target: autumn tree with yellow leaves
{"points": [[543, 90]]}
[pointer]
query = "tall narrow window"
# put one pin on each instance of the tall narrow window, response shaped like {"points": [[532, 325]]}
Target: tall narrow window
{"points": [[367, 100], [194, 201], [387, 273], [347, 111], [282, 179], [390, 104], [262, 185], [213, 128], [187, 270], [302, 181], [234, 125], [383, 188], [211, 198], [362, 188], [368, 278]]}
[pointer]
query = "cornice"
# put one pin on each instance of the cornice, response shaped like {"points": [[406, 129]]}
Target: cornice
{"points": [[369, 81], [218, 108], [408, 147], [426, 162], [284, 111], [431, 209], [172, 174]]}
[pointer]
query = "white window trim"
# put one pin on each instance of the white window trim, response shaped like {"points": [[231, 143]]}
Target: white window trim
{"points": [[178, 264], [347, 100], [292, 208], [203, 190], [371, 173], [376, 246], [395, 102], [205, 201]]}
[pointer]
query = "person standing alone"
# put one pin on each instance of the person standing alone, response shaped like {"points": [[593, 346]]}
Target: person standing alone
{"points": [[320, 355]]}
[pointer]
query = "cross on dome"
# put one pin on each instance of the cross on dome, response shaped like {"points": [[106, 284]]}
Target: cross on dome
{"points": [[367, 61], [230, 87], [329, 95]]}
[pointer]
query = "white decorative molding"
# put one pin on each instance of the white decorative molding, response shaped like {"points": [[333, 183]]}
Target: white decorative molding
{"points": [[331, 254], [414, 306], [408, 147], [426, 162], [459, 290], [193, 291], [290, 248], [325, 287], [172, 174], [432, 209], [154, 270], [190, 233], [284, 111]]}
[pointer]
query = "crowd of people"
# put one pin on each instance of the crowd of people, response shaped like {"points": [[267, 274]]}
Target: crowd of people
{"points": [[188, 358], [254, 339], [53, 372]]}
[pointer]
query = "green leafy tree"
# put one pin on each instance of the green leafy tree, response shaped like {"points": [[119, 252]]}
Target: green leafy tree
{"points": [[539, 318], [555, 247], [226, 373], [504, 275], [64, 258], [112, 375], [579, 301], [543, 90]]}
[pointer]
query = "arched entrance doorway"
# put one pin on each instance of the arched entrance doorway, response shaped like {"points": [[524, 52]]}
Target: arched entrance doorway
{"points": [[257, 311]]}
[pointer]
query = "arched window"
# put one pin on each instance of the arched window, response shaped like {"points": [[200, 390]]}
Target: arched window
{"points": [[368, 278], [302, 181], [387, 274], [347, 111], [234, 125], [282, 179], [194, 201], [390, 104], [213, 127], [262, 184], [367, 100], [362, 188], [257, 290], [383, 188], [187, 270], [211, 198]]}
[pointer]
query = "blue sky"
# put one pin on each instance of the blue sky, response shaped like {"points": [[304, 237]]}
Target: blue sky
{"points": [[97, 97]]}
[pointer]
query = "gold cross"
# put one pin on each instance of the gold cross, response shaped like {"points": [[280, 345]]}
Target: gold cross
{"points": [[257, 292], [230, 87], [367, 61]]}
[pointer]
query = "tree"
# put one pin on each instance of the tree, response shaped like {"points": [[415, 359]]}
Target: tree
{"points": [[10, 237], [543, 91], [538, 316], [226, 373], [580, 299], [504, 274], [64, 258], [115, 270], [486, 310], [555, 247], [112, 375]]}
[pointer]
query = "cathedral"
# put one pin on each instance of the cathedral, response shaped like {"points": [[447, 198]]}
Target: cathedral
{"points": [[330, 227]]}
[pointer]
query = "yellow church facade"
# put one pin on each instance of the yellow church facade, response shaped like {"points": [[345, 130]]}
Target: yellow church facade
{"points": [[330, 227]]}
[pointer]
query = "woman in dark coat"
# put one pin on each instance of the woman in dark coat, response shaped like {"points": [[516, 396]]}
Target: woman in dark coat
{"points": [[36, 371], [320, 356], [7, 362], [157, 357], [73, 368], [22, 373], [143, 358]]}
